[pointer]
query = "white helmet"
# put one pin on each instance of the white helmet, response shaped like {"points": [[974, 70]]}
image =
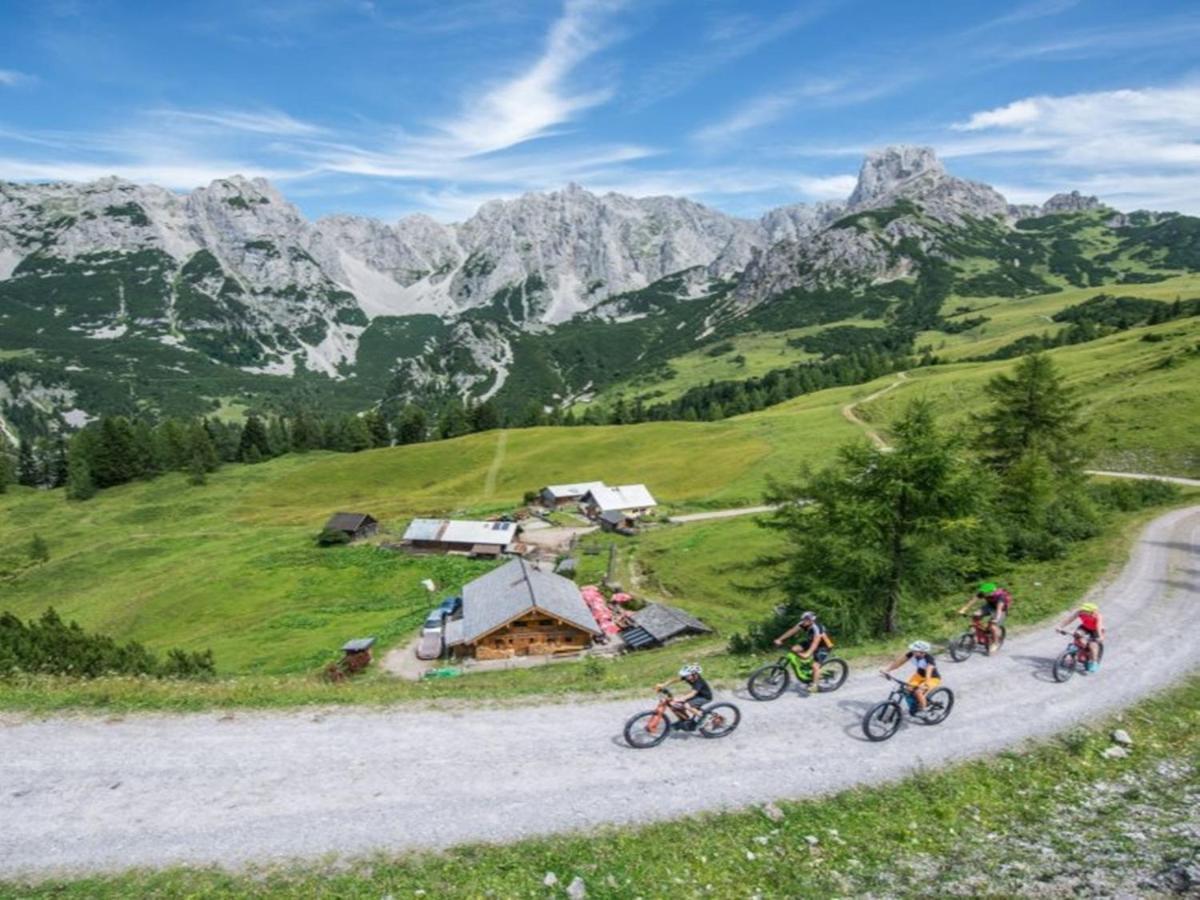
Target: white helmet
{"points": [[807, 614], [919, 647], [689, 670]]}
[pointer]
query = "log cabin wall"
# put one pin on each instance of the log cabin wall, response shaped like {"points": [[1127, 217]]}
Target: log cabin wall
{"points": [[533, 634]]}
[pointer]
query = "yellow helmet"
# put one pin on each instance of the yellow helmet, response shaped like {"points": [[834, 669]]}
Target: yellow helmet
{"points": [[1089, 608]]}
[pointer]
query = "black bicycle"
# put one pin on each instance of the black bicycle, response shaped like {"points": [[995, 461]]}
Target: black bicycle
{"points": [[883, 720]]}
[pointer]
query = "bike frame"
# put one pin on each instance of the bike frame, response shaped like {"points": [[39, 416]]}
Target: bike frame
{"points": [[666, 704]]}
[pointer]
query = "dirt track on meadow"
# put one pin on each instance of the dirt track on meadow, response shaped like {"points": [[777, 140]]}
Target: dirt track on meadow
{"points": [[86, 794]]}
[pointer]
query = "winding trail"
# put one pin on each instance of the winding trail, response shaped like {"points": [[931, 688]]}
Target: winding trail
{"points": [[848, 411], [84, 793], [489, 482]]}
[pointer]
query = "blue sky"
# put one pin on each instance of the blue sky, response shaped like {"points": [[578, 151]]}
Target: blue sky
{"points": [[386, 108]]}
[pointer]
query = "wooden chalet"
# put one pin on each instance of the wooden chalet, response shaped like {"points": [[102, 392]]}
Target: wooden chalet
{"points": [[631, 499], [355, 525], [519, 610]]}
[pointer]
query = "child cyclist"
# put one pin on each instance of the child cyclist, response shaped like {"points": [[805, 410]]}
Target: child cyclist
{"points": [[991, 601], [1091, 627], [925, 677], [690, 704]]}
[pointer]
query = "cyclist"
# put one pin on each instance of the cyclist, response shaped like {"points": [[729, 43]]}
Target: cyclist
{"points": [[993, 603], [690, 704], [926, 676], [1091, 627], [814, 645]]}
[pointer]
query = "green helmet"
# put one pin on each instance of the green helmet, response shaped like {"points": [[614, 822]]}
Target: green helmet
{"points": [[987, 587]]}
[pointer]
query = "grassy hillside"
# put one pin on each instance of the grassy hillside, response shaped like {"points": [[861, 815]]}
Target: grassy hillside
{"points": [[232, 564]]}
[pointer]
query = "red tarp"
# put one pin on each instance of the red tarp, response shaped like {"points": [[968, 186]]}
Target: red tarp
{"points": [[599, 608]]}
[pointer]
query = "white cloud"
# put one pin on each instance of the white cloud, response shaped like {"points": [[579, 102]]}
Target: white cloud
{"points": [[13, 78], [532, 104], [257, 122]]}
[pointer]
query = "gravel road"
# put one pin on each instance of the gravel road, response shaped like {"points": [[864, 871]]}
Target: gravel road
{"points": [[87, 794]]}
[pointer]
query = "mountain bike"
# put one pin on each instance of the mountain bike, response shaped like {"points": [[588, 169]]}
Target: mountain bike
{"points": [[649, 729], [883, 720], [979, 635], [1076, 656], [770, 681]]}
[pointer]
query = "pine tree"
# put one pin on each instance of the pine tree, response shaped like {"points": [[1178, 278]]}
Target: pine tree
{"points": [[278, 436], [254, 437], [484, 416], [305, 432], [80, 485], [412, 426], [201, 452], [6, 467], [58, 468], [28, 472], [377, 426], [453, 420], [355, 435]]}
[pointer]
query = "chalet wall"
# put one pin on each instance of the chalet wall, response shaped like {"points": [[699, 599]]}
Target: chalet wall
{"points": [[534, 634]]}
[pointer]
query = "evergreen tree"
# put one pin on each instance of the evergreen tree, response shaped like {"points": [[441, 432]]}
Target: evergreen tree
{"points": [[453, 420], [6, 467], [172, 439], [532, 416], [147, 461], [484, 416], [80, 485], [1032, 409], [112, 459], [201, 452], [569, 419], [355, 435], [254, 437], [58, 462], [305, 432], [278, 437], [878, 527], [28, 472], [377, 427], [412, 427]]}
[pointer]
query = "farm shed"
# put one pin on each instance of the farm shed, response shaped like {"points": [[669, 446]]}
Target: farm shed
{"points": [[474, 538], [519, 610], [658, 623], [632, 499], [356, 525], [555, 496]]}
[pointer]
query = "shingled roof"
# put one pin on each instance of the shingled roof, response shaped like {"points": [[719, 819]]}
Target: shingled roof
{"points": [[349, 522], [664, 622], [513, 589]]}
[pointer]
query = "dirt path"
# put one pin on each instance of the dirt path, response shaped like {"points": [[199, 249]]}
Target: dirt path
{"points": [[1143, 476], [852, 417], [721, 514], [489, 482], [82, 793]]}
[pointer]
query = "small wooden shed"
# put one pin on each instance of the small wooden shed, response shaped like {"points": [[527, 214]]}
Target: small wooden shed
{"points": [[354, 525]]}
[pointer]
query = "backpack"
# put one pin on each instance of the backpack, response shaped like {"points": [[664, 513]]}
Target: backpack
{"points": [[1003, 598]]}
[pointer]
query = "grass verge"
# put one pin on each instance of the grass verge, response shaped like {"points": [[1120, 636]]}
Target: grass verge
{"points": [[1057, 819]]}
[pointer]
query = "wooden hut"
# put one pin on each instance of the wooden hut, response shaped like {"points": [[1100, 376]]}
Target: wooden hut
{"points": [[519, 610], [353, 525]]}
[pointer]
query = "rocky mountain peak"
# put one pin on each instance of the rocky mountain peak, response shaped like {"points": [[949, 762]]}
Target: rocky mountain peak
{"points": [[885, 172], [1068, 203]]}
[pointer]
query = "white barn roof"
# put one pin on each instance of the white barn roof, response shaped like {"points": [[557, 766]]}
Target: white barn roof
{"points": [[627, 496], [450, 531], [578, 489]]}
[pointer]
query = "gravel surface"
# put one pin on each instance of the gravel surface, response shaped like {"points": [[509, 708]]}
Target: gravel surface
{"points": [[86, 794]]}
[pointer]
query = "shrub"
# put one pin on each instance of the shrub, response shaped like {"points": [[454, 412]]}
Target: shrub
{"points": [[331, 537]]}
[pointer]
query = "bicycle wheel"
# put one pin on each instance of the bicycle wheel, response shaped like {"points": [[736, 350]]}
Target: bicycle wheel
{"points": [[643, 732], [962, 646], [1064, 666], [1003, 634], [833, 675], [881, 721], [769, 682], [719, 720], [938, 705]]}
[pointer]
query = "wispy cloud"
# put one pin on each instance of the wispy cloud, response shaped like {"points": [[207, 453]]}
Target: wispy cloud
{"points": [[13, 78], [729, 38], [539, 99], [257, 122]]}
